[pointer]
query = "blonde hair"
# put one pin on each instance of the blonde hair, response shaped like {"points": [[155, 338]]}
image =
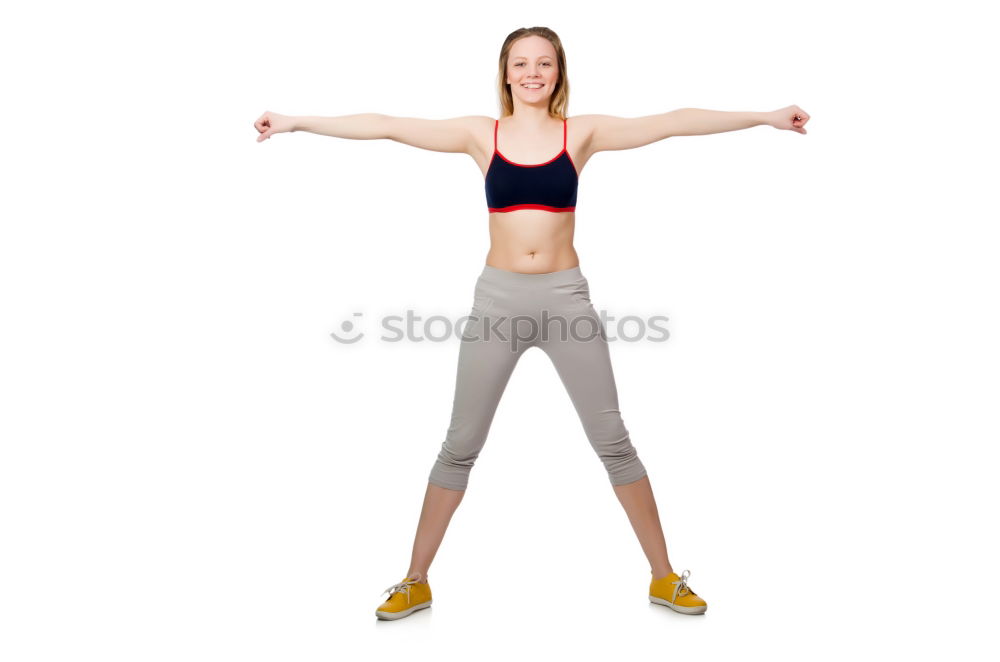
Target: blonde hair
{"points": [[559, 100]]}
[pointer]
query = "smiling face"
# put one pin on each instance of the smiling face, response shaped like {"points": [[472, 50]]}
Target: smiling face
{"points": [[532, 70]]}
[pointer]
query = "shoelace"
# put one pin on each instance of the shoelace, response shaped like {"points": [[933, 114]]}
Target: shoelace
{"points": [[680, 586], [401, 587]]}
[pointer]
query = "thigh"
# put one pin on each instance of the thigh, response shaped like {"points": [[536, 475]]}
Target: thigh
{"points": [[582, 359], [485, 364]]}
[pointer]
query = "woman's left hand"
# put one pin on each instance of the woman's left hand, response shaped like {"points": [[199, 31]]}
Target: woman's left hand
{"points": [[792, 117]]}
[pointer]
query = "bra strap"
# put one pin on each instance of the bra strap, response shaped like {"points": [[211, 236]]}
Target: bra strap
{"points": [[495, 127], [564, 133]]}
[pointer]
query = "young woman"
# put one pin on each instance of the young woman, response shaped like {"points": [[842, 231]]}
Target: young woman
{"points": [[532, 274]]}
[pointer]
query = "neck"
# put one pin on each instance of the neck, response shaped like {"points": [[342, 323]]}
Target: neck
{"points": [[531, 116]]}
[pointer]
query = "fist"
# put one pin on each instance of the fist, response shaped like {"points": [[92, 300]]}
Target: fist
{"points": [[791, 118], [270, 123]]}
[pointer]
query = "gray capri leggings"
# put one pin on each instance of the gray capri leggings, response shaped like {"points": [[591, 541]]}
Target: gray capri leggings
{"points": [[511, 313]]}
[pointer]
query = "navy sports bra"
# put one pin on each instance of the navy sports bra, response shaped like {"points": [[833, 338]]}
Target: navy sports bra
{"points": [[550, 186]]}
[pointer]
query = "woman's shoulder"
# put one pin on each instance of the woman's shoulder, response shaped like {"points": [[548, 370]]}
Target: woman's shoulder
{"points": [[584, 120]]}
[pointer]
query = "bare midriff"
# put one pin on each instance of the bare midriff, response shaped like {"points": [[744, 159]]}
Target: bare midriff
{"points": [[532, 241]]}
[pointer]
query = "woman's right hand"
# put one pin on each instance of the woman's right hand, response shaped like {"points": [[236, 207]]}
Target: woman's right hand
{"points": [[271, 123]]}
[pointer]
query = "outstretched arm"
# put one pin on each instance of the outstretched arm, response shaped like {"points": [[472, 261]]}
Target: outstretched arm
{"points": [[614, 133], [447, 135]]}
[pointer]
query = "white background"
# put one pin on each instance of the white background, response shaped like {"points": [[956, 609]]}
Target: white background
{"points": [[193, 469]]}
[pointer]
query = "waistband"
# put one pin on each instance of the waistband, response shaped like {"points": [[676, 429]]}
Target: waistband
{"points": [[504, 277]]}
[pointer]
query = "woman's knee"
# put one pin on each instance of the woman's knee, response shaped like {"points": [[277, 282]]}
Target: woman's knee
{"points": [[613, 444], [453, 464]]}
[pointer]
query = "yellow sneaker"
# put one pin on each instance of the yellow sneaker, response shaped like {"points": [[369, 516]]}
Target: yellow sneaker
{"points": [[405, 598], [674, 592]]}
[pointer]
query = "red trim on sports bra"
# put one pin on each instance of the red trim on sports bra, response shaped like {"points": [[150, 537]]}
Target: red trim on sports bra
{"points": [[496, 151], [530, 206], [567, 151]]}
